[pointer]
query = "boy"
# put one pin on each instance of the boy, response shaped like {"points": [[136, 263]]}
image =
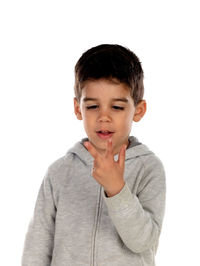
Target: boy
{"points": [[103, 202]]}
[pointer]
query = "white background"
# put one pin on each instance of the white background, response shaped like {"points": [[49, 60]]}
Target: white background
{"points": [[40, 44]]}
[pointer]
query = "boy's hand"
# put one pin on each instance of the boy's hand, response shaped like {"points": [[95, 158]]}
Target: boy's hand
{"points": [[108, 172]]}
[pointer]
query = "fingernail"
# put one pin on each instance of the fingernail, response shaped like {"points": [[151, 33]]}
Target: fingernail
{"points": [[86, 144]]}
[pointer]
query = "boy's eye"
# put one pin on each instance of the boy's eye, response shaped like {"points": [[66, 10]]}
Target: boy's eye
{"points": [[96, 106], [92, 107], [118, 107]]}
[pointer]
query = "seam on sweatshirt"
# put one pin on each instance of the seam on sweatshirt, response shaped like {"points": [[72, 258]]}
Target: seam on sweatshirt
{"points": [[144, 168], [99, 222], [53, 194], [74, 154], [95, 225]]}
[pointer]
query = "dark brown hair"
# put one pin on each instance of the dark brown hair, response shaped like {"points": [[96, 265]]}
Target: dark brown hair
{"points": [[110, 61]]}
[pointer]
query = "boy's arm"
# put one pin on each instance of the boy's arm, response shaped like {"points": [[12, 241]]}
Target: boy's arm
{"points": [[138, 218], [38, 244]]}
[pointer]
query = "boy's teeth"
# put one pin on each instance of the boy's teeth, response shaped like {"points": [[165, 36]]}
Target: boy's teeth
{"points": [[105, 132]]}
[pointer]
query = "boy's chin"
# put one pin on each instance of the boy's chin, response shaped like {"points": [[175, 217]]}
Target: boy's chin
{"points": [[103, 147], [100, 147]]}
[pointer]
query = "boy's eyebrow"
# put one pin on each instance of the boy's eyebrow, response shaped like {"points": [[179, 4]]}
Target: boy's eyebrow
{"points": [[113, 99]]}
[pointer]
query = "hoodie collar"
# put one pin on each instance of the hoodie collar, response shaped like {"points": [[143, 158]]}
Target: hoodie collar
{"points": [[134, 149]]}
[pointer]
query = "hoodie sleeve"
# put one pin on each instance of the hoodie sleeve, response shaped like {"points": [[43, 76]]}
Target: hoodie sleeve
{"points": [[38, 244], [138, 218]]}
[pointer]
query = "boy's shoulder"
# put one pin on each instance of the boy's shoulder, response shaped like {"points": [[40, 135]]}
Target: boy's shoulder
{"points": [[153, 166], [57, 167], [60, 163], [143, 152]]}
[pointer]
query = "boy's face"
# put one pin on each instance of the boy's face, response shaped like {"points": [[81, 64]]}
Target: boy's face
{"points": [[107, 110]]}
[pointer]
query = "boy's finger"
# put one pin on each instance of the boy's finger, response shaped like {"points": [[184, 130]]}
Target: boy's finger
{"points": [[109, 148], [91, 149], [122, 153]]}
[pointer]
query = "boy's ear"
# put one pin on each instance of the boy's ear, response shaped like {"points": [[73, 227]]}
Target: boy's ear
{"points": [[77, 109], [140, 110]]}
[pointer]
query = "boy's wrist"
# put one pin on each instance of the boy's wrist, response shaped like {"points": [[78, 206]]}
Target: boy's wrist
{"points": [[114, 192]]}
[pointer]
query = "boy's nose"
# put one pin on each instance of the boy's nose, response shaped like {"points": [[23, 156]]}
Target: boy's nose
{"points": [[104, 117]]}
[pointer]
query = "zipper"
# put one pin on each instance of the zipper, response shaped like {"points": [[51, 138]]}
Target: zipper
{"points": [[96, 226]]}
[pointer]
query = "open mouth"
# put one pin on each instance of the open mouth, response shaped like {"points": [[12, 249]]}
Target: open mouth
{"points": [[104, 134]]}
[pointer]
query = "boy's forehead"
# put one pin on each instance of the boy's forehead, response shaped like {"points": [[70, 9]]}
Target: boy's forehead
{"points": [[105, 88], [122, 99]]}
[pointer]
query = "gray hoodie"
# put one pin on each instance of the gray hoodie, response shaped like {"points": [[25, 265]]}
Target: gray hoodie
{"points": [[76, 224]]}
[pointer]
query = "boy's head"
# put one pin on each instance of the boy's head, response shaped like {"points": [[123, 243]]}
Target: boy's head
{"points": [[109, 61], [109, 91]]}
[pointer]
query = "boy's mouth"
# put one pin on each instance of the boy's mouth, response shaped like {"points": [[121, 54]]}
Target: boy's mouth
{"points": [[104, 134]]}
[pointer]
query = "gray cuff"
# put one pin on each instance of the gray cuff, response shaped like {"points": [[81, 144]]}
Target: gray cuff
{"points": [[120, 201]]}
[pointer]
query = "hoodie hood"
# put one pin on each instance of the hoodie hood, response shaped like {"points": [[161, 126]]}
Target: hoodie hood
{"points": [[134, 149]]}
